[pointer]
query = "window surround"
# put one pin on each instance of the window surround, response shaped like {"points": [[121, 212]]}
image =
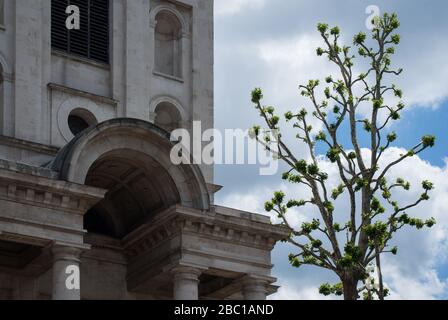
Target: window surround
{"points": [[168, 99], [184, 34], [88, 59], [168, 76], [172, 9], [80, 59], [84, 115]]}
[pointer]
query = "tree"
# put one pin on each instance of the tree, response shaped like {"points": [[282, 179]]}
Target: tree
{"points": [[347, 248]]}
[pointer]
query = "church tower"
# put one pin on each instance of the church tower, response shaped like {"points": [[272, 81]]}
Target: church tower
{"points": [[141, 59]]}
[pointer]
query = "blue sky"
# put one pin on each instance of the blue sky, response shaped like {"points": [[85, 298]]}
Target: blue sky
{"points": [[418, 122], [272, 44]]}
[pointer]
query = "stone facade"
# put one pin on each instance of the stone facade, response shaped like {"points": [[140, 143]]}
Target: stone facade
{"points": [[107, 199]]}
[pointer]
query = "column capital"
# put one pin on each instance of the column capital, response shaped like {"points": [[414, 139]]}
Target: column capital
{"points": [[186, 282], [66, 252], [187, 273], [254, 279]]}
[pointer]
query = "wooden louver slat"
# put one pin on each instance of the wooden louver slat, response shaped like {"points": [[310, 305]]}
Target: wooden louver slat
{"points": [[92, 40]]}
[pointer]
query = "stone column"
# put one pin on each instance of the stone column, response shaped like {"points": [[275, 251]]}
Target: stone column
{"points": [[255, 288], [186, 283], [66, 273]]}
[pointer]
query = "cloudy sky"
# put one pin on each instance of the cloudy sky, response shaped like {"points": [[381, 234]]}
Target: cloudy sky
{"points": [[271, 44]]}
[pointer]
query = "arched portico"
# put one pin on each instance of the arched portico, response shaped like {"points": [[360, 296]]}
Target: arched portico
{"points": [[155, 233], [131, 159]]}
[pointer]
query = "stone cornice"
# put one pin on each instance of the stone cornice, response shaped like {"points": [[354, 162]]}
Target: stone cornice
{"points": [[245, 215], [21, 168], [180, 220], [250, 229], [5, 236], [85, 94], [28, 145], [44, 191]]}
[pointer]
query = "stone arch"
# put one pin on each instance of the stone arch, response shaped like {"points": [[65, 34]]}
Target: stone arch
{"points": [[172, 9], [167, 113], [169, 29], [131, 159]]}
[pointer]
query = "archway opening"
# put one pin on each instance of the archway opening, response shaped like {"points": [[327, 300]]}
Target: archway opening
{"points": [[138, 187]]}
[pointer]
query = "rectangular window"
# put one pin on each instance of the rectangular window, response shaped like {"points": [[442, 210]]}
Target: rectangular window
{"points": [[92, 39]]}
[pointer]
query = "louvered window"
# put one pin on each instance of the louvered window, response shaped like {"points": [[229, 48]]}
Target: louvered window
{"points": [[92, 39]]}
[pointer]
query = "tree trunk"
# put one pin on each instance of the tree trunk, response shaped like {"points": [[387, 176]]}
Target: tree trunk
{"points": [[365, 207], [350, 288], [380, 274]]}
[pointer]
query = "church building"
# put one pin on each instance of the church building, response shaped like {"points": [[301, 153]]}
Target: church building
{"points": [[87, 186]]}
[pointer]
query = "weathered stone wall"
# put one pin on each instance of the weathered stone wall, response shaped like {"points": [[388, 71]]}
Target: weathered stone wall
{"points": [[33, 110]]}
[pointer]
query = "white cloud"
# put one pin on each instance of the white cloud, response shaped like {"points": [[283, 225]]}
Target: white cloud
{"points": [[425, 73], [285, 60], [248, 202], [289, 62], [288, 292], [231, 7], [425, 285], [254, 202]]}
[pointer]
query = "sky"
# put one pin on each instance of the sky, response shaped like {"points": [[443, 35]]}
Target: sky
{"points": [[271, 44]]}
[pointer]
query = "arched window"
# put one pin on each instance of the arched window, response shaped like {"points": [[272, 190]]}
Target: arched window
{"points": [[167, 116], [168, 49]]}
